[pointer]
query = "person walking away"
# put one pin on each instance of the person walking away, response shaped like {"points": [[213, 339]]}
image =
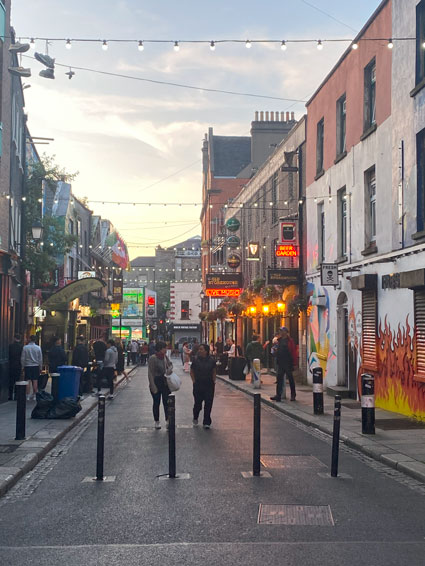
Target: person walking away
{"points": [[219, 347], [120, 359], [99, 348], [56, 355], [151, 348], [80, 358], [144, 352], [203, 374], [285, 359], [32, 361], [254, 350], [109, 366], [186, 357], [133, 349], [231, 354], [15, 368], [158, 367]]}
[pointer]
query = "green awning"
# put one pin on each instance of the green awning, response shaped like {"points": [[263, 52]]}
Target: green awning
{"points": [[62, 297]]}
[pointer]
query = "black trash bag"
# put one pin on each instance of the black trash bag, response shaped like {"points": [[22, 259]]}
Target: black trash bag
{"points": [[66, 408], [45, 402]]}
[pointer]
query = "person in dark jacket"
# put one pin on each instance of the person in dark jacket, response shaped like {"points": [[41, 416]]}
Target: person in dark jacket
{"points": [[56, 355], [254, 350], [121, 358], [15, 368], [99, 348], [80, 358], [286, 359], [203, 374]]}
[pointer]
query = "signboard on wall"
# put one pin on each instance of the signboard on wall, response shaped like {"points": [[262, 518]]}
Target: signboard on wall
{"points": [[282, 276], [288, 232], [85, 274], [133, 303], [223, 281], [286, 250], [329, 274]]}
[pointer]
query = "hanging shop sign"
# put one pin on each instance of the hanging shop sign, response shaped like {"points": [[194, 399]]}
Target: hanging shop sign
{"points": [[117, 287], [253, 251], [85, 274], [286, 250], [233, 224], [223, 281], [329, 274], [288, 232], [233, 241], [234, 261], [282, 276], [223, 292]]}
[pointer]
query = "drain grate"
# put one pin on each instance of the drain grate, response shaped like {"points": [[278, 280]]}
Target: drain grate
{"points": [[8, 448], [316, 515], [292, 461]]}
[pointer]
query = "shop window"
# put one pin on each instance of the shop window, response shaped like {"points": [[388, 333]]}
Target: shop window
{"points": [[184, 310]]}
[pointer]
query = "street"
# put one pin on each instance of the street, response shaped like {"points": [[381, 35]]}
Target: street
{"points": [[52, 516]]}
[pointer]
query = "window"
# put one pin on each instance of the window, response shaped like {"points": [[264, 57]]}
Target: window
{"points": [[369, 95], [420, 151], [320, 146], [370, 206], [341, 120], [321, 231], [419, 309], [71, 226], [184, 310], [369, 317], [342, 223], [420, 38], [274, 200]]}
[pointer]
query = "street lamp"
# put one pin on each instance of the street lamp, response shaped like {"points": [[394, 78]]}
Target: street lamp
{"points": [[37, 230]]}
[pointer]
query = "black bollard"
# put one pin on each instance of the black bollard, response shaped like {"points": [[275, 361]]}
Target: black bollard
{"points": [[100, 438], [335, 438], [368, 404], [128, 359], [257, 435], [55, 386], [21, 401], [172, 436], [318, 391]]}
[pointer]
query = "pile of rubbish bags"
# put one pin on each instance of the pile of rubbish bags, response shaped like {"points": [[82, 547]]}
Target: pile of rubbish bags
{"points": [[46, 408]]}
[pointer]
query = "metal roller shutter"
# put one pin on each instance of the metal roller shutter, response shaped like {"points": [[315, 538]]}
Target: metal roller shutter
{"points": [[419, 304], [369, 318]]}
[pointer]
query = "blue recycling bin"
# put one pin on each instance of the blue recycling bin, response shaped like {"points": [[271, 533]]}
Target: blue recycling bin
{"points": [[69, 381]]}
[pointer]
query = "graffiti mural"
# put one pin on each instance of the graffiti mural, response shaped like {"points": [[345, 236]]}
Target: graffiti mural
{"points": [[319, 343]]}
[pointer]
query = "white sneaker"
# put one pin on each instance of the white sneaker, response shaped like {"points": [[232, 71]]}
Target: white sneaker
{"points": [[157, 425], [207, 426], [28, 397], [195, 422]]}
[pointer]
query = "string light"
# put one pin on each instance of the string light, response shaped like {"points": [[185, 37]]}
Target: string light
{"points": [[248, 44], [140, 47], [354, 46], [105, 45], [320, 45], [68, 44], [176, 46], [283, 45], [390, 44], [212, 45]]}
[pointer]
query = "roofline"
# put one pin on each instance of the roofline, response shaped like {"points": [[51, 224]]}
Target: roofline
{"points": [[349, 49]]}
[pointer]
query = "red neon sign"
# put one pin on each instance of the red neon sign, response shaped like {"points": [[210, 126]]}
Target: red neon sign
{"points": [[223, 292], [286, 250], [151, 300]]}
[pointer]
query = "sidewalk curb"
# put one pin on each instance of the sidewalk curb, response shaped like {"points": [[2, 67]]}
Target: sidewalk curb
{"points": [[412, 468], [10, 481]]}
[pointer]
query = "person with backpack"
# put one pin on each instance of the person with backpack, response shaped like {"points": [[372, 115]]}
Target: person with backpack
{"points": [[159, 366], [203, 374], [286, 357]]}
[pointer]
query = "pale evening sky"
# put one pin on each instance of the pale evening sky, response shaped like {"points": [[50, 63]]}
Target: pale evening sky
{"points": [[124, 135]]}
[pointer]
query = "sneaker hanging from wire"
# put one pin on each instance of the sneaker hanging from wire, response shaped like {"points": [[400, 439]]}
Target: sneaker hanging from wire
{"points": [[47, 73], [45, 60]]}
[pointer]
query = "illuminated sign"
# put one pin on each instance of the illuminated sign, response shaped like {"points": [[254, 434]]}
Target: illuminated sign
{"points": [[85, 274], [151, 300], [223, 281], [132, 305], [234, 261], [223, 292], [288, 232], [286, 250], [253, 251]]}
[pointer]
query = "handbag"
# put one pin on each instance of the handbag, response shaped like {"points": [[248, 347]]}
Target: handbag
{"points": [[173, 382]]}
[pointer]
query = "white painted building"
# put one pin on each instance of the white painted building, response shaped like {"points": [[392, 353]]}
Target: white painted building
{"points": [[185, 306]]}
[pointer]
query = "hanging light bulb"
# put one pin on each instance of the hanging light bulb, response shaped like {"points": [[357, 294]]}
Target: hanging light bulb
{"points": [[105, 45], [68, 44], [354, 45], [212, 46], [248, 44], [176, 46], [283, 45], [320, 45], [32, 43], [390, 44], [140, 47]]}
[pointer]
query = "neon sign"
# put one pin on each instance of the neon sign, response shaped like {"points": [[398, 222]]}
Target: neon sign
{"points": [[223, 292], [286, 250]]}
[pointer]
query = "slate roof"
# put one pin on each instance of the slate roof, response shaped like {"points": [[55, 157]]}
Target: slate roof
{"points": [[231, 154]]}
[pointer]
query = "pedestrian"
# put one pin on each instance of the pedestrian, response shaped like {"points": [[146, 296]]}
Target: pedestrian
{"points": [[134, 349], [186, 357], [203, 374], [99, 349], [219, 346], [230, 349], [144, 352], [80, 358], [15, 368], [194, 350], [56, 355], [159, 366], [254, 350], [109, 366], [32, 361], [151, 348], [285, 353], [120, 359]]}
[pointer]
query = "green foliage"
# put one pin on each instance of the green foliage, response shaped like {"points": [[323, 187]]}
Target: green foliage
{"points": [[258, 284], [41, 260], [221, 313], [271, 293], [236, 308], [297, 305]]}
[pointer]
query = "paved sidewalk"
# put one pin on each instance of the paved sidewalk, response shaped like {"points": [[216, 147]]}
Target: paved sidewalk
{"points": [[18, 457], [399, 442]]}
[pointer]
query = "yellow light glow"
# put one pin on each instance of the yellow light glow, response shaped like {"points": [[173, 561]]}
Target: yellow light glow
{"points": [[252, 310], [266, 309], [280, 307]]}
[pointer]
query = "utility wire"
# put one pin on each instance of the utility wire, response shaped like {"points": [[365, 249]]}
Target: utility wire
{"points": [[329, 15]]}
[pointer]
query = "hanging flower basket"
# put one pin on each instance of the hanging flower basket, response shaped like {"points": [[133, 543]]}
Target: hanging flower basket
{"points": [[271, 293], [203, 315], [297, 305], [212, 316]]}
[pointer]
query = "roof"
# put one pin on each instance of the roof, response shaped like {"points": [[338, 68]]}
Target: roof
{"points": [[194, 242], [143, 261], [230, 154]]}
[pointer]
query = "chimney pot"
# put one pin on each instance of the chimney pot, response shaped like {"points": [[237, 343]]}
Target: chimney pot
{"points": [[277, 116], [256, 116], [282, 116], [292, 115], [287, 116], [272, 116], [261, 116], [267, 116]]}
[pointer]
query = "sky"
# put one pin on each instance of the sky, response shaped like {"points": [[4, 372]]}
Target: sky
{"points": [[136, 141]]}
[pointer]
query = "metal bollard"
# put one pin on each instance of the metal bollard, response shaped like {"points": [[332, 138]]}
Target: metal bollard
{"points": [[318, 391], [257, 435], [335, 438], [100, 438], [171, 436], [368, 404], [21, 401], [128, 359], [55, 386]]}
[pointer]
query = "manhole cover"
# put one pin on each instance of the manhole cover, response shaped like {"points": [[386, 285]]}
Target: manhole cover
{"points": [[399, 424], [8, 448], [317, 515], [280, 461]]}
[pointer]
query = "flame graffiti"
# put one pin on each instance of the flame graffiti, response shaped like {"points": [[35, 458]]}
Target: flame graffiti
{"points": [[395, 387]]}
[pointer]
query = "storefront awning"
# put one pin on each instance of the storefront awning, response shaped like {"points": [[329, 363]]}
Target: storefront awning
{"points": [[72, 291]]}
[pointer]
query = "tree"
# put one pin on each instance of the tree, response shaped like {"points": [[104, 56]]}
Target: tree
{"points": [[41, 258]]}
